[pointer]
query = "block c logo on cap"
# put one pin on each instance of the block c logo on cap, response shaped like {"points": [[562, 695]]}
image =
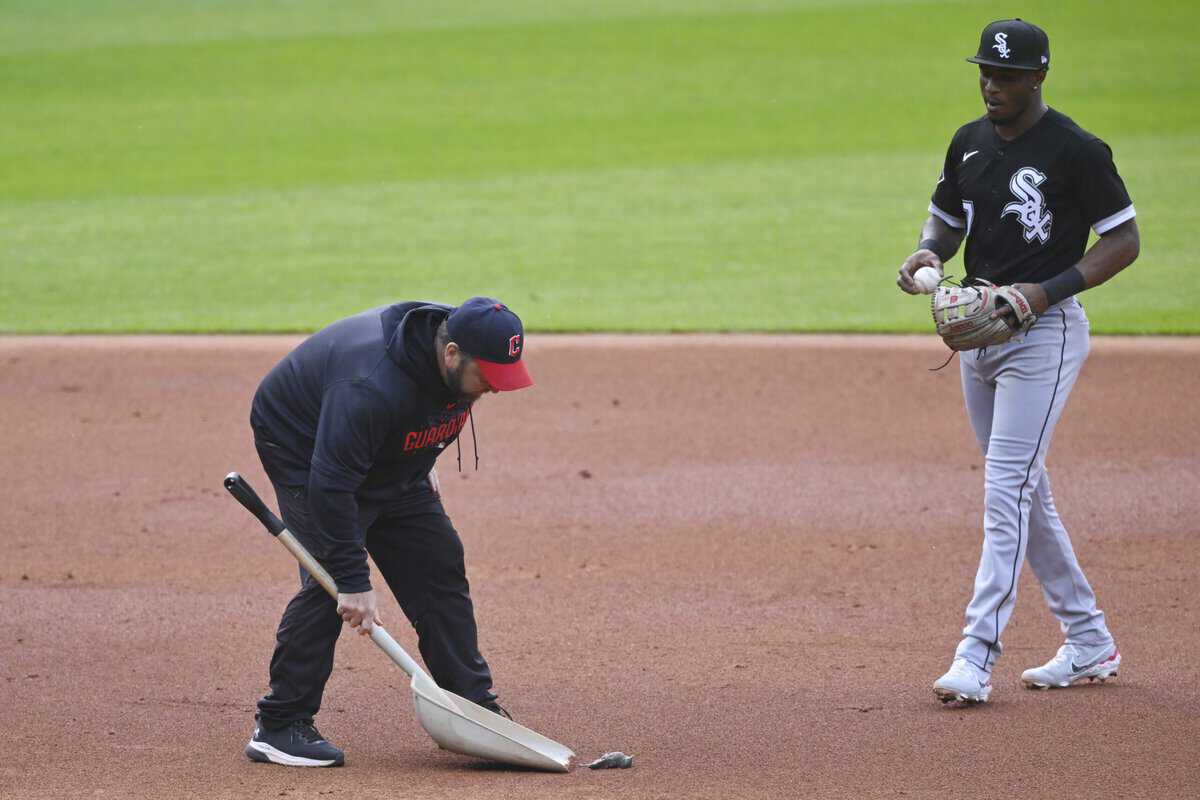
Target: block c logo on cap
{"points": [[514, 345]]}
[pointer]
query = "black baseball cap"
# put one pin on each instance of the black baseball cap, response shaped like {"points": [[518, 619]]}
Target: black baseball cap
{"points": [[1013, 43], [487, 331]]}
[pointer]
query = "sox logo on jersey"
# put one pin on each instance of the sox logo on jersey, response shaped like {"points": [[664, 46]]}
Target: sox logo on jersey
{"points": [[1030, 209]]}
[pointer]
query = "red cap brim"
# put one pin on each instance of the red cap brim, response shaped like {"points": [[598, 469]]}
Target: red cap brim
{"points": [[505, 377]]}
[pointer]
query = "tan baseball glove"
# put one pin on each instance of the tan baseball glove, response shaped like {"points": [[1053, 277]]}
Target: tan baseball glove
{"points": [[964, 314]]}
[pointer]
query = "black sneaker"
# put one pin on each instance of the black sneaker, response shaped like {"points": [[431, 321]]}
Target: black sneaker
{"points": [[299, 744]]}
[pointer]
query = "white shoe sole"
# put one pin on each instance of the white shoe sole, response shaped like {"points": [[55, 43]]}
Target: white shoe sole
{"points": [[967, 698], [279, 757], [1100, 672]]}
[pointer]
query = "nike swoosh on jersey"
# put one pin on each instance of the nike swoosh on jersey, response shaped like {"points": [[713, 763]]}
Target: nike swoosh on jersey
{"points": [[968, 155]]}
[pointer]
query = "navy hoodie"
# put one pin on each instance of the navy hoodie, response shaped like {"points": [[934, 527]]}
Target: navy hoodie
{"points": [[358, 414]]}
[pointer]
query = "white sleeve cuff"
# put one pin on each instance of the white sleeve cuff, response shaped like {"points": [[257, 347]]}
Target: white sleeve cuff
{"points": [[1108, 223], [953, 221]]}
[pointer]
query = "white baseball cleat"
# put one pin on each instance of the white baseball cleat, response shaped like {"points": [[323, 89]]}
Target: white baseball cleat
{"points": [[1074, 663], [963, 683]]}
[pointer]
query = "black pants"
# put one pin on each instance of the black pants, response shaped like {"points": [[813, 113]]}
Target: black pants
{"points": [[417, 551]]}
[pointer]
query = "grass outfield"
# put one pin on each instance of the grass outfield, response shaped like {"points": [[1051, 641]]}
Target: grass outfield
{"points": [[654, 165]]}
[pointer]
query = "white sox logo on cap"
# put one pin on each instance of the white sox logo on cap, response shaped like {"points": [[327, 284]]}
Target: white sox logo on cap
{"points": [[1013, 43], [1001, 45]]}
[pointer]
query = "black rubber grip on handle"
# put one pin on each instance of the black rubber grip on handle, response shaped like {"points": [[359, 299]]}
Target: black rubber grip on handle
{"points": [[245, 494]]}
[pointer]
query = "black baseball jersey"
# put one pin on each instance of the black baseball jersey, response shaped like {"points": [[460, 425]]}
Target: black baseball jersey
{"points": [[1027, 204]]}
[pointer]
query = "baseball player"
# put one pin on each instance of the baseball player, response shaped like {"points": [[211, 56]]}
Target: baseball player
{"points": [[348, 426], [1023, 184]]}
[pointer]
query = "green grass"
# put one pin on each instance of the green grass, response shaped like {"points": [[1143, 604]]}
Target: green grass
{"points": [[655, 165]]}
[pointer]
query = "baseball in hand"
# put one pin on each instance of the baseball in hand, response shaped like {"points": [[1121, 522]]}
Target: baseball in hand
{"points": [[926, 279]]}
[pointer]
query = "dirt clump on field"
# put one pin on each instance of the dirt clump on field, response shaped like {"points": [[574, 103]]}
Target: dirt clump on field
{"points": [[742, 559]]}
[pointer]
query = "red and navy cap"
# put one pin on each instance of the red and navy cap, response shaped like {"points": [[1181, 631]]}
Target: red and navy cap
{"points": [[485, 329], [1013, 43]]}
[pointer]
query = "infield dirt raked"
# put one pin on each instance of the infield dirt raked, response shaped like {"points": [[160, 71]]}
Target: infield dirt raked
{"points": [[741, 559]]}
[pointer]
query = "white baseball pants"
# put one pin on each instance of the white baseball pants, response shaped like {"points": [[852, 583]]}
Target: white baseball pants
{"points": [[1015, 394]]}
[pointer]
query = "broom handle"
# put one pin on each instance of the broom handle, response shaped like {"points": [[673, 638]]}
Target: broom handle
{"points": [[245, 494]]}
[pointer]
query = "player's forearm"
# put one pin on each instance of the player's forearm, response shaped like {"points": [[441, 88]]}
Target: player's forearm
{"points": [[335, 512], [1113, 252], [939, 237]]}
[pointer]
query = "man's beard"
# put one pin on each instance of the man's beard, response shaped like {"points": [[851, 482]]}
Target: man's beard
{"points": [[454, 382]]}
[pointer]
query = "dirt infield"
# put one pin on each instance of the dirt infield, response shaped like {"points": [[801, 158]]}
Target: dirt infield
{"points": [[733, 557]]}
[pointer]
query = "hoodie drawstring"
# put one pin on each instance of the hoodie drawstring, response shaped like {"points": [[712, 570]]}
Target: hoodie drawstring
{"points": [[474, 442]]}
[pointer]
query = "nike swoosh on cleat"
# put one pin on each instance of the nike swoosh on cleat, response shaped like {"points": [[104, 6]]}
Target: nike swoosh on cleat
{"points": [[1080, 668]]}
